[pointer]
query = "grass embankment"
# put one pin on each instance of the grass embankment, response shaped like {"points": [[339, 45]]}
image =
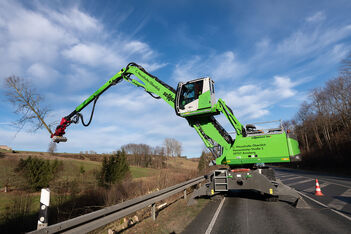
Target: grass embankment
{"points": [[172, 219], [75, 190], [82, 171]]}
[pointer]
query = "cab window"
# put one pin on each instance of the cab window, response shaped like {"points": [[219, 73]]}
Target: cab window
{"points": [[190, 92]]}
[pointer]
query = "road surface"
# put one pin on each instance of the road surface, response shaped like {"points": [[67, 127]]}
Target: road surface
{"points": [[245, 212]]}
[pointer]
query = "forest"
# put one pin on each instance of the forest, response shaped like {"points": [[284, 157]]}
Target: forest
{"points": [[322, 124]]}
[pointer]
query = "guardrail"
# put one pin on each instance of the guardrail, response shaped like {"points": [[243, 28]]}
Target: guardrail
{"points": [[94, 220]]}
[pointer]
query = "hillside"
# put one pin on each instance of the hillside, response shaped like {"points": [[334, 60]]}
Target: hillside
{"points": [[75, 191]]}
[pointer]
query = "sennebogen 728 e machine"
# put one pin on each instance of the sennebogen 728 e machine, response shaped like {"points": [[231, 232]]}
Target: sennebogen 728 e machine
{"points": [[195, 101]]}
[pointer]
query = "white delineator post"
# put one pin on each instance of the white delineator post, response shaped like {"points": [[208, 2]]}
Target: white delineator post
{"points": [[44, 206]]}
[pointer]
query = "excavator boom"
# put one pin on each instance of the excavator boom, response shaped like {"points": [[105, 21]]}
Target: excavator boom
{"points": [[195, 101]]}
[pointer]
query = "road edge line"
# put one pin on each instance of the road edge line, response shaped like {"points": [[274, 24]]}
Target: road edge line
{"points": [[319, 203], [214, 218]]}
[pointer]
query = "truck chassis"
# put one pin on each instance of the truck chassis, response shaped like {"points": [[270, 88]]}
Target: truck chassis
{"points": [[261, 180]]}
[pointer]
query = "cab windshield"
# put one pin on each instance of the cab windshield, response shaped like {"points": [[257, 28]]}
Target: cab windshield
{"points": [[190, 92]]}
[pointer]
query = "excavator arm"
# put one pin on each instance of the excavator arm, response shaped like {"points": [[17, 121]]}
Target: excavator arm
{"points": [[195, 101], [151, 84], [209, 130]]}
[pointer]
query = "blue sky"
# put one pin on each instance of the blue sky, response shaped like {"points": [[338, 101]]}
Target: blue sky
{"points": [[264, 56]]}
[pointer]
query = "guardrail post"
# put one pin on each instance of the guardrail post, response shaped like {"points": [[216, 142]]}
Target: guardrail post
{"points": [[184, 193], [153, 211], [44, 205]]}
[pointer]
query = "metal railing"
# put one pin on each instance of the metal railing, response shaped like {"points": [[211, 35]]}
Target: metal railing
{"points": [[94, 220]]}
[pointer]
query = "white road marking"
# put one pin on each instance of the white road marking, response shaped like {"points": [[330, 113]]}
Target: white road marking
{"points": [[342, 185], [292, 178], [299, 182], [339, 204], [209, 228], [319, 203], [285, 177]]}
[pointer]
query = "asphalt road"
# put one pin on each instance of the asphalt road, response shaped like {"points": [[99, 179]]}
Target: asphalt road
{"points": [[246, 212]]}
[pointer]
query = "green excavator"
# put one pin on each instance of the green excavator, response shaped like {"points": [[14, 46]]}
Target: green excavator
{"points": [[243, 157]]}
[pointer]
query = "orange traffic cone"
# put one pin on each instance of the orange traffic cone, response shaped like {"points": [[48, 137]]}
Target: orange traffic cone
{"points": [[318, 190]]}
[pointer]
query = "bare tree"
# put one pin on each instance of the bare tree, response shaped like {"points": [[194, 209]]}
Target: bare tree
{"points": [[52, 147], [346, 66], [173, 147], [159, 150], [28, 104]]}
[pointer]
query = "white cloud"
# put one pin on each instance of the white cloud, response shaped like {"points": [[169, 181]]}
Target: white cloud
{"points": [[309, 50], [253, 101], [45, 43], [245, 89], [133, 101], [41, 40], [226, 66], [153, 66], [186, 71], [138, 47], [284, 86], [41, 73], [312, 40], [93, 55], [80, 78], [317, 17], [75, 19], [76, 46], [221, 66], [31, 36]]}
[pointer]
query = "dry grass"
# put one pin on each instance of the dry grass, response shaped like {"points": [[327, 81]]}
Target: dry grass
{"points": [[182, 163], [75, 193], [172, 219]]}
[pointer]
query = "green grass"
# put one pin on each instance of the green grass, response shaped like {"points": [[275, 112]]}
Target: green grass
{"points": [[71, 171], [71, 167], [7, 198], [138, 172]]}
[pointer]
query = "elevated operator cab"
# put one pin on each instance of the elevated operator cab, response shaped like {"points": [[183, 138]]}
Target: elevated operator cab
{"points": [[195, 97]]}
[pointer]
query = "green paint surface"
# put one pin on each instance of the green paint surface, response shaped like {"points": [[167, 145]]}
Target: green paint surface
{"points": [[264, 148]]}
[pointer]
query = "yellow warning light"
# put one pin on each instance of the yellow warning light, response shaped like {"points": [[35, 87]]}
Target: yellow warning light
{"points": [[212, 192], [270, 191], [285, 159]]}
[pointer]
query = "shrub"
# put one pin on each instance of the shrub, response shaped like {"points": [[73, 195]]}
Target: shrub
{"points": [[114, 169], [38, 172], [204, 161]]}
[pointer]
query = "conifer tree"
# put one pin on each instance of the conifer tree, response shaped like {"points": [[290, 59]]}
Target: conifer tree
{"points": [[114, 169], [38, 172]]}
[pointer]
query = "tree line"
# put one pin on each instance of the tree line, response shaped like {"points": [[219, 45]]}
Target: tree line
{"points": [[323, 123], [144, 155]]}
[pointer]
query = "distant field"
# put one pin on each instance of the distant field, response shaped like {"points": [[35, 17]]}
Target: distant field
{"points": [[138, 172]]}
